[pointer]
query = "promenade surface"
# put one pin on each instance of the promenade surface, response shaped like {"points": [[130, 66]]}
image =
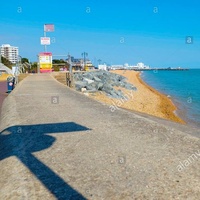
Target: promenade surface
{"points": [[3, 90], [58, 144]]}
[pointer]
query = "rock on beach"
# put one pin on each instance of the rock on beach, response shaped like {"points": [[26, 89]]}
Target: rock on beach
{"points": [[102, 81]]}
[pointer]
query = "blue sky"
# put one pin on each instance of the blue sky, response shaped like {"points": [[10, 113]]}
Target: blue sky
{"points": [[117, 32]]}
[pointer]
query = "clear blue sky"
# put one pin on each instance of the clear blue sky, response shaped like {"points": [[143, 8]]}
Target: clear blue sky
{"points": [[117, 32]]}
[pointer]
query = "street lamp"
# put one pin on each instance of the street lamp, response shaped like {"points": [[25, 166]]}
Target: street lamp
{"points": [[99, 61], [0, 54], [70, 63], [84, 54]]}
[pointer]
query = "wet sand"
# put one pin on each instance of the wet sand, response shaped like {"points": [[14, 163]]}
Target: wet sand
{"points": [[146, 99]]}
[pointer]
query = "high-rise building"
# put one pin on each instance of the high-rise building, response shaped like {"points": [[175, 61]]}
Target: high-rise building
{"points": [[10, 52]]}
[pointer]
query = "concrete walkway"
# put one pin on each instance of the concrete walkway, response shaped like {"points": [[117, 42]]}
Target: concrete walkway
{"points": [[58, 144], [3, 90]]}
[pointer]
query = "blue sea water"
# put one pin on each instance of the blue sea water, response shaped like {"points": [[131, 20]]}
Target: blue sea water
{"points": [[183, 88]]}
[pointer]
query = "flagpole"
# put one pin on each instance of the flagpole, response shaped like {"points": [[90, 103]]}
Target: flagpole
{"points": [[47, 41], [45, 46]]}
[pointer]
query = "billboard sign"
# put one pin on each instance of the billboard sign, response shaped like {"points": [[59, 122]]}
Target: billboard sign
{"points": [[45, 41]]}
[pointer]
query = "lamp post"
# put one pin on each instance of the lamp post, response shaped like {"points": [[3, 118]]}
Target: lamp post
{"points": [[84, 54], [99, 61], [47, 28], [0, 54], [70, 63]]}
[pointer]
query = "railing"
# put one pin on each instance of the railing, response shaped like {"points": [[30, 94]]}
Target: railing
{"points": [[20, 69], [69, 79]]}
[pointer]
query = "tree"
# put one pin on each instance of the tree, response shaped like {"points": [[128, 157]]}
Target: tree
{"points": [[34, 67], [56, 61], [23, 60], [6, 62]]}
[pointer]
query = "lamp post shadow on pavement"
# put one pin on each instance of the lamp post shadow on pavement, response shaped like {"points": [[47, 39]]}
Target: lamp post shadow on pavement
{"points": [[22, 141]]}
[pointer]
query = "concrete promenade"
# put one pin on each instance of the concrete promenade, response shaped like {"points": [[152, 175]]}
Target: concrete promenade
{"points": [[3, 90], [58, 144]]}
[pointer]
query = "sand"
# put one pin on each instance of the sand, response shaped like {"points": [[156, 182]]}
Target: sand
{"points": [[145, 100]]}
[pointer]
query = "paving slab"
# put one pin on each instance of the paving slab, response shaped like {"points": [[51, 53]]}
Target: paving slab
{"points": [[56, 143]]}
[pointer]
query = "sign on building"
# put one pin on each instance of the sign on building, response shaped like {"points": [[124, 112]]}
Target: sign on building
{"points": [[45, 61]]}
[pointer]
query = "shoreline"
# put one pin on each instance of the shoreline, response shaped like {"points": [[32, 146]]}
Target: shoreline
{"points": [[167, 105], [145, 100]]}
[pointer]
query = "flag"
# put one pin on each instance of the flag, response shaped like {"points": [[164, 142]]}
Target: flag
{"points": [[49, 27]]}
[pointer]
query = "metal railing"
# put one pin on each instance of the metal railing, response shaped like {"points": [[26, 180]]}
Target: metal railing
{"points": [[19, 69]]}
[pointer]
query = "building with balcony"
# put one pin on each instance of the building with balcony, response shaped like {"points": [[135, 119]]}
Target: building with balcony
{"points": [[10, 52], [80, 64]]}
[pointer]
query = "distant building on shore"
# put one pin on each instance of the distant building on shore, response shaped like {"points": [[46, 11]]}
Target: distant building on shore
{"points": [[139, 65], [115, 67], [80, 64], [10, 52], [103, 67]]}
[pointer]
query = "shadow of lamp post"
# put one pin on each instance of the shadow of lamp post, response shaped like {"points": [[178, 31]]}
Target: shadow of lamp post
{"points": [[22, 141]]}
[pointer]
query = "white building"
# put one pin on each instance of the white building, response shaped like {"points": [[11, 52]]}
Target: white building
{"points": [[102, 67], [115, 67], [142, 66], [139, 65], [10, 52], [126, 65]]}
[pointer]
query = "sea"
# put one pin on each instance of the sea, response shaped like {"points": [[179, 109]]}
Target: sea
{"points": [[183, 87]]}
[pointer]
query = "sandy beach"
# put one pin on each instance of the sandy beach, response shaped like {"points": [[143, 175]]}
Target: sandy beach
{"points": [[146, 99]]}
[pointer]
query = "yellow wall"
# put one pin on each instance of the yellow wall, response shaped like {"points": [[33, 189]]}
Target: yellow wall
{"points": [[45, 66], [3, 77], [87, 68]]}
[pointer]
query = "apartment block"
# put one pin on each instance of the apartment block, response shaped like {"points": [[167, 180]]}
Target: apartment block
{"points": [[10, 52]]}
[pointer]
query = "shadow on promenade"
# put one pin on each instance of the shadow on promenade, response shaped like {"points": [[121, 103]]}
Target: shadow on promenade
{"points": [[22, 141]]}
